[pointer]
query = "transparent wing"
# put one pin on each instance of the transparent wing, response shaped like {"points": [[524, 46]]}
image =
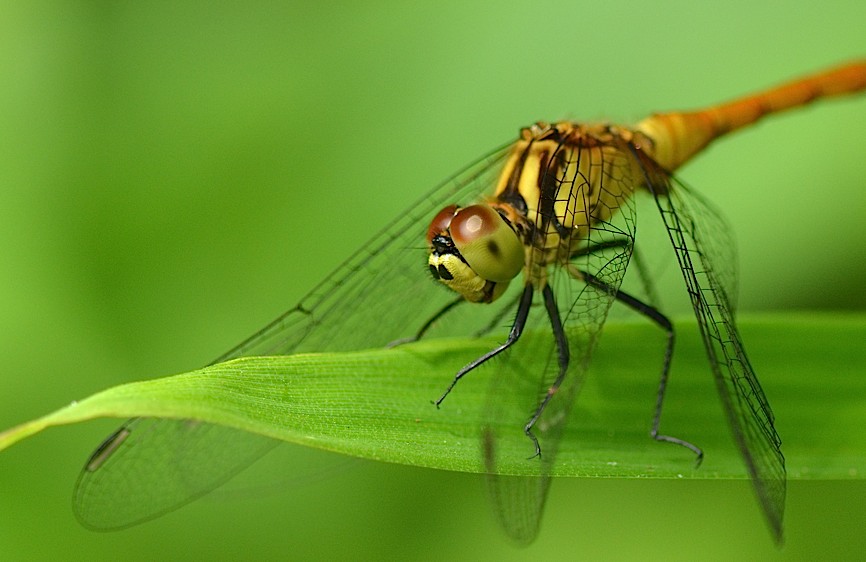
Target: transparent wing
{"points": [[149, 467], [531, 367], [382, 293], [706, 254]]}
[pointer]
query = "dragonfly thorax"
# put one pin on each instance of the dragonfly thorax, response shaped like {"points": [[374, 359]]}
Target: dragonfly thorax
{"points": [[475, 251]]}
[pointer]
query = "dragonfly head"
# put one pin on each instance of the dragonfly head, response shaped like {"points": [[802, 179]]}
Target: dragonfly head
{"points": [[474, 251]]}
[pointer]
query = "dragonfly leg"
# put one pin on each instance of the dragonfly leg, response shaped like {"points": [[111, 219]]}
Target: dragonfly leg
{"points": [[513, 336], [622, 243], [420, 334], [665, 324], [563, 357], [496, 321]]}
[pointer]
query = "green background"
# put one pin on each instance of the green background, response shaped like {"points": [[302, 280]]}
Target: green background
{"points": [[173, 175]]}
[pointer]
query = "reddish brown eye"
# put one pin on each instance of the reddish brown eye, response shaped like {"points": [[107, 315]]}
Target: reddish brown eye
{"points": [[441, 222], [473, 222], [487, 243]]}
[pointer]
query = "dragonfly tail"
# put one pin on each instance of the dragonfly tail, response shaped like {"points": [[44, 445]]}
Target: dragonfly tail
{"points": [[677, 137]]}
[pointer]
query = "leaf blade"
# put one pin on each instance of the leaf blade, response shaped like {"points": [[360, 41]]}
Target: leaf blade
{"points": [[376, 404]]}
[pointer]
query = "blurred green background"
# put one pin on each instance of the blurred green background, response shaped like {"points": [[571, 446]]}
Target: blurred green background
{"points": [[175, 174]]}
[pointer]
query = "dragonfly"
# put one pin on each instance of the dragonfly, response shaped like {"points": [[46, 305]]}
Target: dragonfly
{"points": [[539, 234]]}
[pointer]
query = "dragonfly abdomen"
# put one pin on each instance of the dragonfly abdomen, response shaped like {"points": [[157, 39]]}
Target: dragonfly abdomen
{"points": [[678, 137]]}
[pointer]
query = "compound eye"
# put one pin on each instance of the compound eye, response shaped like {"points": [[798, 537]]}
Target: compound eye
{"points": [[440, 222], [487, 243]]}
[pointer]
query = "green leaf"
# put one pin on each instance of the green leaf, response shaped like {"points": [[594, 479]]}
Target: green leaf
{"points": [[377, 404]]}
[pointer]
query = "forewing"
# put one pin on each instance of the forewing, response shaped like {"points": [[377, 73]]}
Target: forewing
{"points": [[382, 293], [531, 367], [705, 250]]}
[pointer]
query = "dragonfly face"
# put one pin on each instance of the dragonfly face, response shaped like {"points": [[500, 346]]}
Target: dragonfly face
{"points": [[475, 251]]}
